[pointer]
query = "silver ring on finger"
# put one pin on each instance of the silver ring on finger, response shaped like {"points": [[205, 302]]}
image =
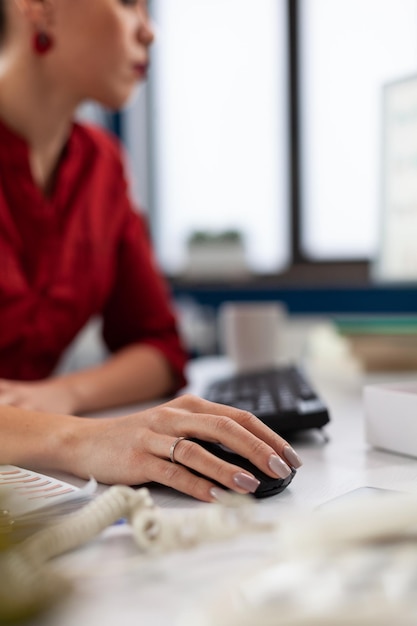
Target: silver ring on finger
{"points": [[172, 448]]}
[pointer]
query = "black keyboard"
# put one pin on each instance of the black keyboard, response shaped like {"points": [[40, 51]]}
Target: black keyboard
{"points": [[281, 397]]}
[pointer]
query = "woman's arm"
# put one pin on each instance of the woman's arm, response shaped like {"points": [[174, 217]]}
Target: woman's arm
{"points": [[135, 449], [137, 373]]}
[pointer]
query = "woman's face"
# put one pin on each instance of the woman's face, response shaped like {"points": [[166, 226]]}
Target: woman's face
{"points": [[100, 48]]}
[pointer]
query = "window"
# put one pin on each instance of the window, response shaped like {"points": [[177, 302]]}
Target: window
{"points": [[219, 79], [233, 146], [348, 50]]}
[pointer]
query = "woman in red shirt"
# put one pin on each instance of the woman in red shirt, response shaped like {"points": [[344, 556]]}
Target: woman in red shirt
{"points": [[72, 247]]}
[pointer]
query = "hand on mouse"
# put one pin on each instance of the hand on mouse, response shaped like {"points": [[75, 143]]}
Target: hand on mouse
{"points": [[153, 446]]}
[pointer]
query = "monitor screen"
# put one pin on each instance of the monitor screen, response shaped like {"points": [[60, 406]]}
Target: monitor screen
{"points": [[396, 260]]}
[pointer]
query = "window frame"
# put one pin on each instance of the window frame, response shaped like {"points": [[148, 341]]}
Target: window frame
{"points": [[321, 272]]}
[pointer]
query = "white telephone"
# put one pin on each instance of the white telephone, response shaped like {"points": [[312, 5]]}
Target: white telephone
{"points": [[354, 563], [28, 580]]}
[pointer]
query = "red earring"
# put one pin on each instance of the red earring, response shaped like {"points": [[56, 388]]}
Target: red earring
{"points": [[42, 43]]}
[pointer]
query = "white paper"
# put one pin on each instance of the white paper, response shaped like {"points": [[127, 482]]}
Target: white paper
{"points": [[26, 491]]}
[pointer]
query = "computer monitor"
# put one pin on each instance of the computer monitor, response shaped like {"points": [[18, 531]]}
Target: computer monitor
{"points": [[396, 259]]}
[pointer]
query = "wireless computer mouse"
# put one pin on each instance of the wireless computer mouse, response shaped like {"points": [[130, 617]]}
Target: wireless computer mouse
{"points": [[269, 486]]}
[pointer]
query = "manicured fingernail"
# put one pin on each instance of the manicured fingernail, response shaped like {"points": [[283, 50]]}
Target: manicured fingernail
{"points": [[292, 457], [277, 465], [246, 482], [218, 494]]}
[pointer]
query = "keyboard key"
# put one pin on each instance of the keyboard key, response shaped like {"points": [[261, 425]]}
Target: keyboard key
{"points": [[281, 396]]}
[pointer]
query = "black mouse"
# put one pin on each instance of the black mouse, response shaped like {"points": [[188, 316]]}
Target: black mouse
{"points": [[269, 486]]}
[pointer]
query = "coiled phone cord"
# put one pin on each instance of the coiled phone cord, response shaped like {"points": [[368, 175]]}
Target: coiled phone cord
{"points": [[28, 583]]}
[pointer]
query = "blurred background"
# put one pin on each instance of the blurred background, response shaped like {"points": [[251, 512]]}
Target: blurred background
{"points": [[260, 150]]}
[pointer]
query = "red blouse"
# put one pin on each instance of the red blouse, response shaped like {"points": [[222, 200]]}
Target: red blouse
{"points": [[80, 252]]}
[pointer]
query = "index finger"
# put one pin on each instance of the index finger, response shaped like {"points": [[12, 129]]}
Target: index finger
{"points": [[250, 422]]}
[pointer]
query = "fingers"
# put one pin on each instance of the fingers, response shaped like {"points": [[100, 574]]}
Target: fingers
{"points": [[188, 455], [240, 431], [180, 478], [11, 399], [13, 394], [193, 458], [195, 470], [8, 394], [7, 400], [33, 396], [266, 434], [243, 442], [246, 419]]}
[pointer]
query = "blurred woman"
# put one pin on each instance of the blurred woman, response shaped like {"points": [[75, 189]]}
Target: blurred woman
{"points": [[72, 247]]}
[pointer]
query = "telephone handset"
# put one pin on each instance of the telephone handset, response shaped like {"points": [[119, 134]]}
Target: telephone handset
{"points": [[354, 563], [28, 580]]}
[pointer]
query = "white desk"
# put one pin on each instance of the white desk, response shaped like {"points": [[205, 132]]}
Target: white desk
{"points": [[117, 585]]}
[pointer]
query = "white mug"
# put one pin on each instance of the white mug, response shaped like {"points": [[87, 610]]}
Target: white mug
{"points": [[251, 333]]}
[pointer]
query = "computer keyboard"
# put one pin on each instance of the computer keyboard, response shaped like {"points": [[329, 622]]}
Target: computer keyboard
{"points": [[281, 396]]}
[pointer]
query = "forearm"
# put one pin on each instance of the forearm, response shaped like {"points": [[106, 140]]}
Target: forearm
{"points": [[38, 439], [137, 373]]}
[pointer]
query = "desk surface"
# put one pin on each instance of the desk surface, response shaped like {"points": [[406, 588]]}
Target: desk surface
{"points": [[114, 584]]}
